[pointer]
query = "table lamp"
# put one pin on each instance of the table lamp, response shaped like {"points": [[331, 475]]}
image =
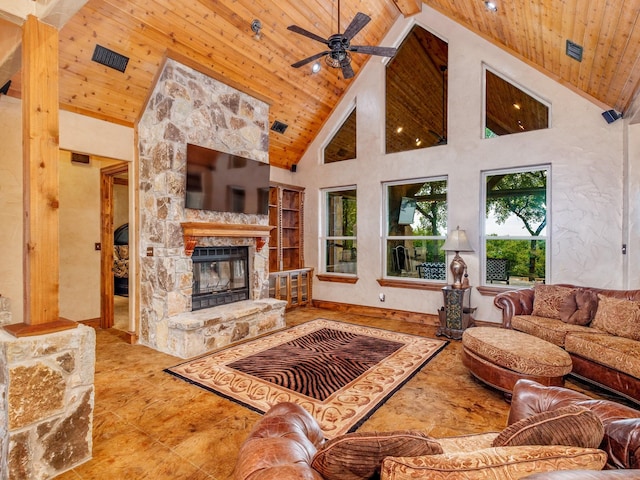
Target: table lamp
{"points": [[457, 242]]}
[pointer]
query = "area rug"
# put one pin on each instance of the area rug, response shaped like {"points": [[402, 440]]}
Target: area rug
{"points": [[340, 372]]}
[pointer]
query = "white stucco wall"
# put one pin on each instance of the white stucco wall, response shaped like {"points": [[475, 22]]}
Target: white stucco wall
{"points": [[585, 153], [79, 289]]}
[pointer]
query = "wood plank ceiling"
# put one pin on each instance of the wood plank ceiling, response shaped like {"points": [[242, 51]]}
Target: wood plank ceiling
{"points": [[217, 36]]}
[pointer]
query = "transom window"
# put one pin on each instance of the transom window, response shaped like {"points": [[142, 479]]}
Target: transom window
{"points": [[416, 93], [416, 214], [515, 226], [510, 109], [343, 144], [339, 246]]}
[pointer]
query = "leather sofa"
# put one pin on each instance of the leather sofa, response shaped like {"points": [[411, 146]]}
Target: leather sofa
{"points": [[283, 443], [604, 357]]}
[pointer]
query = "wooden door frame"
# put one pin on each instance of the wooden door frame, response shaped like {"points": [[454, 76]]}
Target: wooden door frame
{"points": [[107, 180]]}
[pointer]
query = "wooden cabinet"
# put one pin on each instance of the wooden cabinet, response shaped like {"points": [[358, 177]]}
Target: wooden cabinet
{"points": [[294, 286], [286, 213]]}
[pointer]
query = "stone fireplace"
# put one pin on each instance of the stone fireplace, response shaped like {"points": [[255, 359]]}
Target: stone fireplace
{"points": [[187, 106]]}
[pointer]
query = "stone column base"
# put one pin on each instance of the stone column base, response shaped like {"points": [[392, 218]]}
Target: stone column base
{"points": [[46, 402]]}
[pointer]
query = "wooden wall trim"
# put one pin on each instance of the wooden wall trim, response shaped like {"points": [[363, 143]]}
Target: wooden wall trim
{"points": [[405, 315]]}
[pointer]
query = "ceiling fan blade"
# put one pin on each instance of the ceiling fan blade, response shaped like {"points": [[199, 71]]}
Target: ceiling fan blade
{"points": [[357, 24], [347, 71], [309, 59], [383, 51], [307, 33]]}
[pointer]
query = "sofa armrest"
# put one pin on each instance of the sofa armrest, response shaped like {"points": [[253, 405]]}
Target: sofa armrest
{"points": [[281, 446], [621, 423], [514, 302]]}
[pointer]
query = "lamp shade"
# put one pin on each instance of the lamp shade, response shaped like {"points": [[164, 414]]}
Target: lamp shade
{"points": [[457, 241]]}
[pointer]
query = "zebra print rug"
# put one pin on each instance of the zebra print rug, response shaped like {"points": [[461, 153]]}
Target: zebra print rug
{"points": [[340, 372]]}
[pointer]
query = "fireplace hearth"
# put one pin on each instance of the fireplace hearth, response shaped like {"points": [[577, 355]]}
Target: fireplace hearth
{"points": [[220, 276]]}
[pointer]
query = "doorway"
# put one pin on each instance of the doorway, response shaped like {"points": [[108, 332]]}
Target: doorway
{"points": [[114, 283]]}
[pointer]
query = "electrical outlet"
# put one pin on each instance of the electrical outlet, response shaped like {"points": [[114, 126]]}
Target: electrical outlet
{"points": [[381, 297]]}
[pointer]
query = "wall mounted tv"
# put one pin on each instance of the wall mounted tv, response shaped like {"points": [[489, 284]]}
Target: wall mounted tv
{"points": [[223, 182]]}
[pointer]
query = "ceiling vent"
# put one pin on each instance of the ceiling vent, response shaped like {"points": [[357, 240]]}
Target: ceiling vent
{"points": [[574, 50], [110, 58], [279, 127]]}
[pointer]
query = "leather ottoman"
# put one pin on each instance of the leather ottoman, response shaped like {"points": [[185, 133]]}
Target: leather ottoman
{"points": [[500, 357]]}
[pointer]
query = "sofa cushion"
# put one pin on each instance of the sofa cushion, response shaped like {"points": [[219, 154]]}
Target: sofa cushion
{"points": [[579, 308], [618, 317], [550, 329], [548, 300], [618, 353], [492, 463], [572, 425], [356, 456]]}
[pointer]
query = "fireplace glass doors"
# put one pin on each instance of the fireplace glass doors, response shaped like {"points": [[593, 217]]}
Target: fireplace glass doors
{"points": [[220, 276]]}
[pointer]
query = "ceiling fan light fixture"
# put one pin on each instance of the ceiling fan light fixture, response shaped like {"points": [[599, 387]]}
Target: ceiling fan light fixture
{"points": [[338, 59]]}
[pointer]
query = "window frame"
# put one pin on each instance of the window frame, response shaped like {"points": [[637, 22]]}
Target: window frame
{"points": [[483, 220], [324, 237], [385, 237]]}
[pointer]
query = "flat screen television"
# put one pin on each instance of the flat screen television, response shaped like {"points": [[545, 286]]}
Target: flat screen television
{"points": [[223, 182], [407, 211]]}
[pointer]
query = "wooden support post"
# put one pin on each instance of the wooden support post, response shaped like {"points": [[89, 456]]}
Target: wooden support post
{"points": [[40, 135]]}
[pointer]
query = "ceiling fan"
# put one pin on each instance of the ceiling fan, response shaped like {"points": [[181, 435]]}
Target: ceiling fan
{"points": [[338, 55]]}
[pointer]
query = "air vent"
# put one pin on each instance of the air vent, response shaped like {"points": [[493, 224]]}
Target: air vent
{"points": [[110, 58], [80, 158], [279, 127], [574, 50]]}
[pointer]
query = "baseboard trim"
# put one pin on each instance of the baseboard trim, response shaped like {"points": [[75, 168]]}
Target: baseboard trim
{"points": [[407, 316]]}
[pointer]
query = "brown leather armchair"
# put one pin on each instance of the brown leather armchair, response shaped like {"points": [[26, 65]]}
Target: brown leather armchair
{"points": [[282, 444]]}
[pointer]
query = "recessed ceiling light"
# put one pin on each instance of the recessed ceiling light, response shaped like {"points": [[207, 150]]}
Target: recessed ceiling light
{"points": [[491, 6], [516, 106], [399, 130], [315, 68]]}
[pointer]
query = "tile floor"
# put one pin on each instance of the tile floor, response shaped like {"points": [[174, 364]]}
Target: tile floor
{"points": [[151, 425]]}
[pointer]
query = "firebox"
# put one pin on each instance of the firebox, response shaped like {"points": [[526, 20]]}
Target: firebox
{"points": [[220, 276]]}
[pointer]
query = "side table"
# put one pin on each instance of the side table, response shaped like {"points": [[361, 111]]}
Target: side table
{"points": [[454, 316]]}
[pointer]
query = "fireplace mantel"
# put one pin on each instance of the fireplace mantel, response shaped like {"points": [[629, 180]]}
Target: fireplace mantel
{"points": [[193, 230]]}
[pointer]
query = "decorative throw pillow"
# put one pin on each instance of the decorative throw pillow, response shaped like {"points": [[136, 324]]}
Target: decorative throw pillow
{"points": [[548, 300], [358, 456], [572, 426], [580, 307], [492, 463], [618, 317]]}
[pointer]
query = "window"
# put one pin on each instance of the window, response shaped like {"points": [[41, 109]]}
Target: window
{"points": [[515, 226], [509, 109], [416, 229], [343, 144], [416, 93], [339, 239]]}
